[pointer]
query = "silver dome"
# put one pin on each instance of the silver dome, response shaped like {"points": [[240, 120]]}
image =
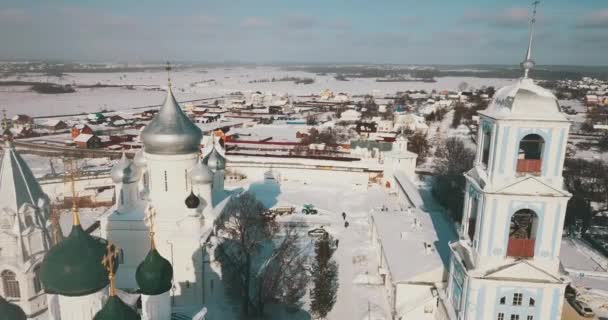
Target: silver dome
{"points": [[171, 131], [201, 174], [215, 161], [140, 160], [124, 171]]}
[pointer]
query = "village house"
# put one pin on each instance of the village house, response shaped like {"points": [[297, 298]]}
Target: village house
{"points": [[79, 129], [87, 141]]}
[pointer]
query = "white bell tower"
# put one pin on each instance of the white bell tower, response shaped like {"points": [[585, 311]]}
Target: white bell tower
{"points": [[506, 263]]}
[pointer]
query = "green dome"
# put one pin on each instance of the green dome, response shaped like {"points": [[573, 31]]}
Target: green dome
{"points": [[154, 275], [9, 311], [73, 267], [115, 309]]}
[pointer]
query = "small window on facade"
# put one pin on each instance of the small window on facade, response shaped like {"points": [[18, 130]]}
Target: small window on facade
{"points": [[121, 257], [10, 284], [29, 221], [503, 300], [166, 183], [514, 317], [530, 318], [37, 283], [122, 197], [517, 298], [501, 316], [532, 302]]}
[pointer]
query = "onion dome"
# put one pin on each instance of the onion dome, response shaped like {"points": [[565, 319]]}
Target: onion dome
{"points": [[171, 131], [72, 267], [116, 309], [215, 161], [201, 174], [154, 275], [192, 201], [11, 311], [139, 159], [125, 171]]}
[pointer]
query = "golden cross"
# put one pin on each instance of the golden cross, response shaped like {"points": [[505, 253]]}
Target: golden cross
{"points": [[71, 168], [108, 261], [150, 216]]}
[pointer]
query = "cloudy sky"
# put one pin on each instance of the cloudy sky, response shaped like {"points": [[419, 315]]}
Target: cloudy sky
{"points": [[573, 32]]}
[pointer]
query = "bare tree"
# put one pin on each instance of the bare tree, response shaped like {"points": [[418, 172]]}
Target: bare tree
{"points": [[283, 278], [452, 160], [258, 265]]}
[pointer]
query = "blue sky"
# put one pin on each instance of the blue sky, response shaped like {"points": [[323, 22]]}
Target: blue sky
{"points": [[381, 31]]}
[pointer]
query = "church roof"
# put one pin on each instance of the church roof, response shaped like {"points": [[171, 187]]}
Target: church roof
{"points": [[73, 267], [171, 131], [125, 171], [524, 100], [201, 174], [17, 183], [214, 160], [155, 274], [116, 309], [11, 311]]}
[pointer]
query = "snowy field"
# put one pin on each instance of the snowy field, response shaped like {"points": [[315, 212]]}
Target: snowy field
{"points": [[194, 84]]}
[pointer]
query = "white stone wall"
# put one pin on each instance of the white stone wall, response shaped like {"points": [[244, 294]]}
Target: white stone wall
{"points": [[156, 307], [82, 308]]}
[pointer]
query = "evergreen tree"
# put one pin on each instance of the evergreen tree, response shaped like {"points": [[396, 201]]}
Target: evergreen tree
{"points": [[325, 279]]}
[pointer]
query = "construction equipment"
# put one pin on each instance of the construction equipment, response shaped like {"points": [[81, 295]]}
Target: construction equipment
{"points": [[309, 209]]}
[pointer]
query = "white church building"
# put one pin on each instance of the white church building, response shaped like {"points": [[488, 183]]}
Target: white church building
{"points": [[506, 264]]}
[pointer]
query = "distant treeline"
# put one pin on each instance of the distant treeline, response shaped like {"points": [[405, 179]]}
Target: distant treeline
{"points": [[557, 73]]}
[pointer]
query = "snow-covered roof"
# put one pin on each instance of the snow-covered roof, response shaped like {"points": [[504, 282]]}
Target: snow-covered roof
{"points": [[524, 100], [18, 186], [83, 137], [404, 235]]}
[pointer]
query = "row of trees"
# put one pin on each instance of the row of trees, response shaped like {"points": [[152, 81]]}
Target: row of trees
{"points": [[265, 264]]}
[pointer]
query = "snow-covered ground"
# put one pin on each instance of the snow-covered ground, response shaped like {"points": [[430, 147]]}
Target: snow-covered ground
{"points": [[194, 84]]}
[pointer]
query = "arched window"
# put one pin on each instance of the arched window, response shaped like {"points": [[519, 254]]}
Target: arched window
{"points": [[522, 234], [28, 221], [485, 142], [529, 158], [473, 217], [37, 283], [10, 284]]}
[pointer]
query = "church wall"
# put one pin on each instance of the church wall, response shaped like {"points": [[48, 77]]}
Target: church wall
{"points": [[484, 300], [133, 238], [508, 134], [310, 176], [156, 307], [82, 308], [168, 191], [496, 216]]}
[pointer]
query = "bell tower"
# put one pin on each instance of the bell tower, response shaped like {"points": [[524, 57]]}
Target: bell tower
{"points": [[506, 263]]}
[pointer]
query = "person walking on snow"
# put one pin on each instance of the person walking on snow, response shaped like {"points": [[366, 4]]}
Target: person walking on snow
{"points": [[343, 215]]}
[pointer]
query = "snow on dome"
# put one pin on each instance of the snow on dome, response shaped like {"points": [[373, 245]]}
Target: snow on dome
{"points": [[201, 174], [524, 100], [139, 159], [124, 171], [171, 131]]}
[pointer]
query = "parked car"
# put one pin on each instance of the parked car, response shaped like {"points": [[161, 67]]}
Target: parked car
{"points": [[582, 308]]}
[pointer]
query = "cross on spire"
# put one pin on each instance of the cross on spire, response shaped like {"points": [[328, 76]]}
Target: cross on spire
{"points": [[108, 261], [168, 68], [71, 168], [150, 216], [528, 63], [6, 127]]}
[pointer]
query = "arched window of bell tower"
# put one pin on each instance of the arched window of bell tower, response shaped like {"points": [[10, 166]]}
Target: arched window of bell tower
{"points": [[522, 234], [485, 149], [529, 158]]}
